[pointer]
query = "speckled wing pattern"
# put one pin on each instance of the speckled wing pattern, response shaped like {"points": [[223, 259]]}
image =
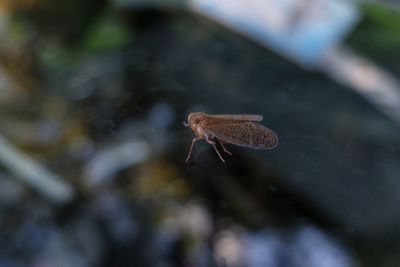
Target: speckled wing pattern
{"points": [[242, 133]]}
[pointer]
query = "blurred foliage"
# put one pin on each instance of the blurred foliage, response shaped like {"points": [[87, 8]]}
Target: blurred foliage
{"points": [[378, 35], [66, 20], [107, 33]]}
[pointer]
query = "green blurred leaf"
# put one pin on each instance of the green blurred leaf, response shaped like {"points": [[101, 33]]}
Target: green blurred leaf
{"points": [[378, 34], [106, 33]]}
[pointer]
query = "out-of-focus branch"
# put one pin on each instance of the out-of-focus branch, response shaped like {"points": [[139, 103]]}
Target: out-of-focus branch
{"points": [[364, 77], [33, 174]]}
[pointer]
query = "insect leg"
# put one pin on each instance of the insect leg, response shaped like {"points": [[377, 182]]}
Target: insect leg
{"points": [[191, 147], [216, 150], [219, 155], [223, 147]]}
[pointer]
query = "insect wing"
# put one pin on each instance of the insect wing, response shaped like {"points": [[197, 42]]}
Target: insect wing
{"points": [[239, 117], [243, 133]]}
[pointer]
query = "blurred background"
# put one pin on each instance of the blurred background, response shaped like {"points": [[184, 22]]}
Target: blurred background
{"points": [[92, 146]]}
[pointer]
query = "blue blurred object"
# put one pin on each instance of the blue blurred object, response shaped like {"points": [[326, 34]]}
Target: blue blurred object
{"points": [[300, 30]]}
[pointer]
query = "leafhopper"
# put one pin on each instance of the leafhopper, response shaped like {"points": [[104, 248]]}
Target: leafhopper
{"points": [[242, 130]]}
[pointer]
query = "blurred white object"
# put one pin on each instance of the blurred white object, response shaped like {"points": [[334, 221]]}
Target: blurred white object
{"points": [[34, 175], [303, 246], [312, 247], [302, 30], [229, 248], [113, 159], [264, 248], [366, 78], [149, 3]]}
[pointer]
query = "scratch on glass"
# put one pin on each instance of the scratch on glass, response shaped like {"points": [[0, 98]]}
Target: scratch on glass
{"points": [[242, 130]]}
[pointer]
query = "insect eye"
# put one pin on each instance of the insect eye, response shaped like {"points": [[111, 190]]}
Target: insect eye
{"points": [[197, 121]]}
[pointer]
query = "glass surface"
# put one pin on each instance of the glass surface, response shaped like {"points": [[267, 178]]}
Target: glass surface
{"points": [[93, 96]]}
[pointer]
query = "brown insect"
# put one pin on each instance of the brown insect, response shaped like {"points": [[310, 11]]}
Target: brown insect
{"points": [[241, 130]]}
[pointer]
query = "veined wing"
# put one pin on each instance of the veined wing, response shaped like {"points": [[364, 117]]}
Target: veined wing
{"points": [[239, 117], [248, 134]]}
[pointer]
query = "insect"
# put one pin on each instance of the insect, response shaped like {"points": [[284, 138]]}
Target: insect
{"points": [[242, 130]]}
